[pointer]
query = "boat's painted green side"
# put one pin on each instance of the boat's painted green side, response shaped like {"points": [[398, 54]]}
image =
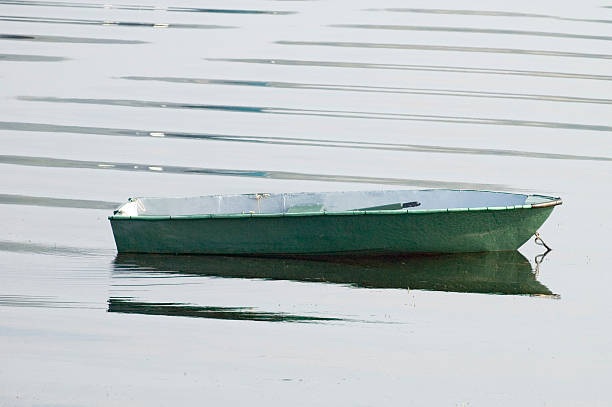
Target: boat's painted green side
{"points": [[321, 233]]}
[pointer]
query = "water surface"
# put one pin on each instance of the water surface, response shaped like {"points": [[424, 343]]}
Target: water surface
{"points": [[102, 102]]}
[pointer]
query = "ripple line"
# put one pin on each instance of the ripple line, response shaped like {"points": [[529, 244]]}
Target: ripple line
{"points": [[322, 113], [427, 68], [374, 89], [30, 58], [48, 162], [129, 306], [40, 302], [472, 30], [52, 20], [11, 199], [57, 38], [486, 13], [38, 248], [293, 141], [448, 48], [140, 7]]}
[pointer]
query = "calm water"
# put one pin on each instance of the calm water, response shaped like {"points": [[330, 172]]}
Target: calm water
{"points": [[99, 103]]}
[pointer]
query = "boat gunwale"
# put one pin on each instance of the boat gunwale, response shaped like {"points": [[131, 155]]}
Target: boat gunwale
{"points": [[553, 201]]}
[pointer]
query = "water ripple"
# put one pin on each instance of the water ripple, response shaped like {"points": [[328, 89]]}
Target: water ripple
{"points": [[448, 48], [140, 7], [428, 68], [40, 302], [472, 30], [50, 20], [487, 13], [49, 162], [57, 38], [321, 113], [30, 58], [50, 249], [13, 199], [293, 141], [375, 89], [130, 306]]}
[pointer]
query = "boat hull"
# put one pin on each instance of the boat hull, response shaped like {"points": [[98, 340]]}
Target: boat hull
{"points": [[408, 232]]}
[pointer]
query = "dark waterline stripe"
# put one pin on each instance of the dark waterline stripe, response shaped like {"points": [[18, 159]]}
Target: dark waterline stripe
{"points": [[41, 302], [227, 11], [472, 30], [56, 38], [320, 113], [50, 20], [54, 250], [448, 48], [293, 141], [11, 199], [129, 306], [427, 68], [373, 89], [49, 162], [486, 13], [30, 58], [140, 7]]}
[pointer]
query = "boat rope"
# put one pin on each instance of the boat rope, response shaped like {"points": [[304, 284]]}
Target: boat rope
{"points": [[538, 240], [538, 260]]}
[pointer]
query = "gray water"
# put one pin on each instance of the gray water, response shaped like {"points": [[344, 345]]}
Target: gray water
{"points": [[99, 103]]}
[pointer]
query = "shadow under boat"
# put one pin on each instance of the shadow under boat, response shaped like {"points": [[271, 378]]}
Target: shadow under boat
{"points": [[505, 273]]}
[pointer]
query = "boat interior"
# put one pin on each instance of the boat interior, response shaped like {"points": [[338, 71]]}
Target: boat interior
{"points": [[309, 202]]}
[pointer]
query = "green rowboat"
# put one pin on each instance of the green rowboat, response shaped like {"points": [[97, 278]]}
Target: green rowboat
{"points": [[331, 223]]}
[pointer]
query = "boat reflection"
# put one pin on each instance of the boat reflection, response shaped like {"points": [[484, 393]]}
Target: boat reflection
{"points": [[131, 306], [508, 273]]}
